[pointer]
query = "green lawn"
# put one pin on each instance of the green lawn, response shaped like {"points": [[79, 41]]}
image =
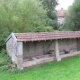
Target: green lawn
{"points": [[67, 69]]}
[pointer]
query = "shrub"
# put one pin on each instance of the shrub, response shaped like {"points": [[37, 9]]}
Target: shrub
{"points": [[4, 58], [49, 28]]}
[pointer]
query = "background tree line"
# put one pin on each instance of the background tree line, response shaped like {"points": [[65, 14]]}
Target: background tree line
{"points": [[26, 16], [72, 17]]}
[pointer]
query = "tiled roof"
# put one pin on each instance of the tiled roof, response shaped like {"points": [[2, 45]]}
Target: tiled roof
{"points": [[61, 13], [46, 36]]}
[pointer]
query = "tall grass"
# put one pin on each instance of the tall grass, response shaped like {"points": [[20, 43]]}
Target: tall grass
{"points": [[4, 60]]}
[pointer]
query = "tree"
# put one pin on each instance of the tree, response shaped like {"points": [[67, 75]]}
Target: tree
{"points": [[21, 16], [50, 5], [72, 19]]}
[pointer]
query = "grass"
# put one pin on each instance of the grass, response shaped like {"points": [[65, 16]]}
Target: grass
{"points": [[67, 69]]}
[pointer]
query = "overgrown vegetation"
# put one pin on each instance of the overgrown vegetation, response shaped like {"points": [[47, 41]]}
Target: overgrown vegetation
{"points": [[49, 6], [5, 60], [67, 69], [72, 19], [21, 16]]}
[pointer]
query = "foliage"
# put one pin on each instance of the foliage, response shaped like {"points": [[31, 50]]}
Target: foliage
{"points": [[72, 20], [2, 52], [61, 27], [49, 6], [54, 24], [4, 58], [49, 28], [21, 16], [67, 69]]}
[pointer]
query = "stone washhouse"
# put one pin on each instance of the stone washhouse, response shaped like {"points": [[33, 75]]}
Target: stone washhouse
{"points": [[28, 49]]}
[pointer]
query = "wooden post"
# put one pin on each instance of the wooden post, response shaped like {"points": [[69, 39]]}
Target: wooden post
{"points": [[56, 51]]}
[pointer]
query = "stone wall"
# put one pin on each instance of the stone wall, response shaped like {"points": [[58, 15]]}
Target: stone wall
{"points": [[15, 51], [78, 44], [42, 47], [11, 47], [19, 55], [68, 45], [37, 48]]}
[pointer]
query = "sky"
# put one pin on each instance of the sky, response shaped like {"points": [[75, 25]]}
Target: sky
{"points": [[64, 4]]}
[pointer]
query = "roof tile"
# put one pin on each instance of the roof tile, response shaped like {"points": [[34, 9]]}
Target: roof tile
{"points": [[46, 35]]}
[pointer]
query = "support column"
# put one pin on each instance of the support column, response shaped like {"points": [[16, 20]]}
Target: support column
{"points": [[20, 55], [56, 51]]}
